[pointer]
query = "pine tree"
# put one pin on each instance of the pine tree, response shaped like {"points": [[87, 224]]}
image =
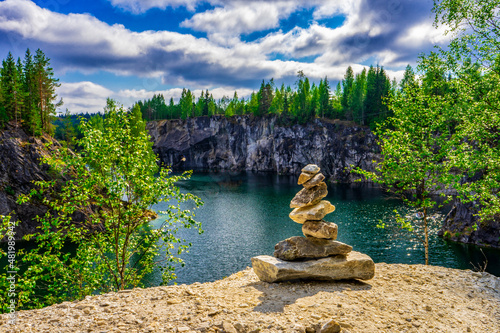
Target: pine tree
{"points": [[347, 87], [357, 97], [324, 97], [12, 92], [408, 78], [265, 97], [44, 88], [302, 100]]}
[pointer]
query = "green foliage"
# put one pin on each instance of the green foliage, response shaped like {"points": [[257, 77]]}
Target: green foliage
{"points": [[114, 182], [415, 144], [473, 60], [445, 130], [308, 101]]}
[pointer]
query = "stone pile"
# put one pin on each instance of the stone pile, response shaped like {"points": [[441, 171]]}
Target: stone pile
{"points": [[317, 255]]}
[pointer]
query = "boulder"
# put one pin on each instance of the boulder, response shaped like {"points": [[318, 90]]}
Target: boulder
{"points": [[297, 248], [318, 178], [316, 212], [354, 265], [320, 229], [309, 196]]}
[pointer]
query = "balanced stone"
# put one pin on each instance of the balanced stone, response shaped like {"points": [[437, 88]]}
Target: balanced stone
{"points": [[315, 212], [309, 196], [304, 177], [314, 181], [296, 248], [354, 265], [320, 229], [308, 172], [311, 168]]}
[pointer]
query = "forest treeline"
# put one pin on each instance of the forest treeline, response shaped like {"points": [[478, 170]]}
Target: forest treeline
{"points": [[27, 97], [358, 97], [27, 93]]}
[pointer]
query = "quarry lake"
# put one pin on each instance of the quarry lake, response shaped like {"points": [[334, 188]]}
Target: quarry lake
{"points": [[246, 214]]}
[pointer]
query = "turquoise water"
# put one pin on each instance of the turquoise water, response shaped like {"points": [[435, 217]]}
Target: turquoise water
{"points": [[246, 214]]}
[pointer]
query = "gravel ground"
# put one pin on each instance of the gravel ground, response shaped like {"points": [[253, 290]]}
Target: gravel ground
{"points": [[401, 298]]}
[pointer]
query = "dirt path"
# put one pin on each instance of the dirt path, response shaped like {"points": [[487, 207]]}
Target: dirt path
{"points": [[401, 298]]}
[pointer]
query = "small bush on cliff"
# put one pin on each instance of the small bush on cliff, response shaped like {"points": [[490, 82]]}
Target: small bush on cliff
{"points": [[114, 181]]}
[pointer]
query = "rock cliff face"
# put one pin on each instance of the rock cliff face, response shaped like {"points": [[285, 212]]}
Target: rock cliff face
{"points": [[459, 226], [263, 144], [19, 167]]}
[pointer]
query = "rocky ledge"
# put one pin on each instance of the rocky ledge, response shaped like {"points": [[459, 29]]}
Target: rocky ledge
{"points": [[400, 298], [20, 157]]}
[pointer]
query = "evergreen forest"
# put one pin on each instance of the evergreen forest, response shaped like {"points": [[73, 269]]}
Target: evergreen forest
{"points": [[27, 93]]}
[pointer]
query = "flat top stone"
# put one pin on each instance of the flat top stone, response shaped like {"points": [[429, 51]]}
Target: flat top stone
{"points": [[311, 168]]}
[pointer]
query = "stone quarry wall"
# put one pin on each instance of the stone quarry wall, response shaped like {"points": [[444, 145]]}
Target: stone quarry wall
{"points": [[459, 226], [264, 144], [19, 167]]}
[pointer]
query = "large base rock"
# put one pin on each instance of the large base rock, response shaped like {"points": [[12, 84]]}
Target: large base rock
{"points": [[297, 248], [354, 265]]}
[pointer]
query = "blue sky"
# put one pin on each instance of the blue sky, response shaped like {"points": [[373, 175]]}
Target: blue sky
{"points": [[132, 49]]}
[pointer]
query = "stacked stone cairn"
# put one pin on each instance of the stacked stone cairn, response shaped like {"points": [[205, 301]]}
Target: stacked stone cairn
{"points": [[318, 255]]}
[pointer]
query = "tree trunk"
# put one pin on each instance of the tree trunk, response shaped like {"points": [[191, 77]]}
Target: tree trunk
{"points": [[426, 240]]}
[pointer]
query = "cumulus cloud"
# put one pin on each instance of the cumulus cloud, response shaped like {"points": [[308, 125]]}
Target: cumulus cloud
{"points": [[235, 18]]}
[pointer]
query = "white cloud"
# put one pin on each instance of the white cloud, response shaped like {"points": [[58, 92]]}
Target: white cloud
{"points": [[424, 33], [240, 17], [141, 6], [82, 97]]}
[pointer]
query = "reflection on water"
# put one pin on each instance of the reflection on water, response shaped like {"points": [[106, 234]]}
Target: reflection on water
{"points": [[246, 214]]}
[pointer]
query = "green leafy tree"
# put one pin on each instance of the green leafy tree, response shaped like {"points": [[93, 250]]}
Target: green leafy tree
{"points": [[415, 145], [69, 131], [114, 182], [186, 103], [473, 60]]}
